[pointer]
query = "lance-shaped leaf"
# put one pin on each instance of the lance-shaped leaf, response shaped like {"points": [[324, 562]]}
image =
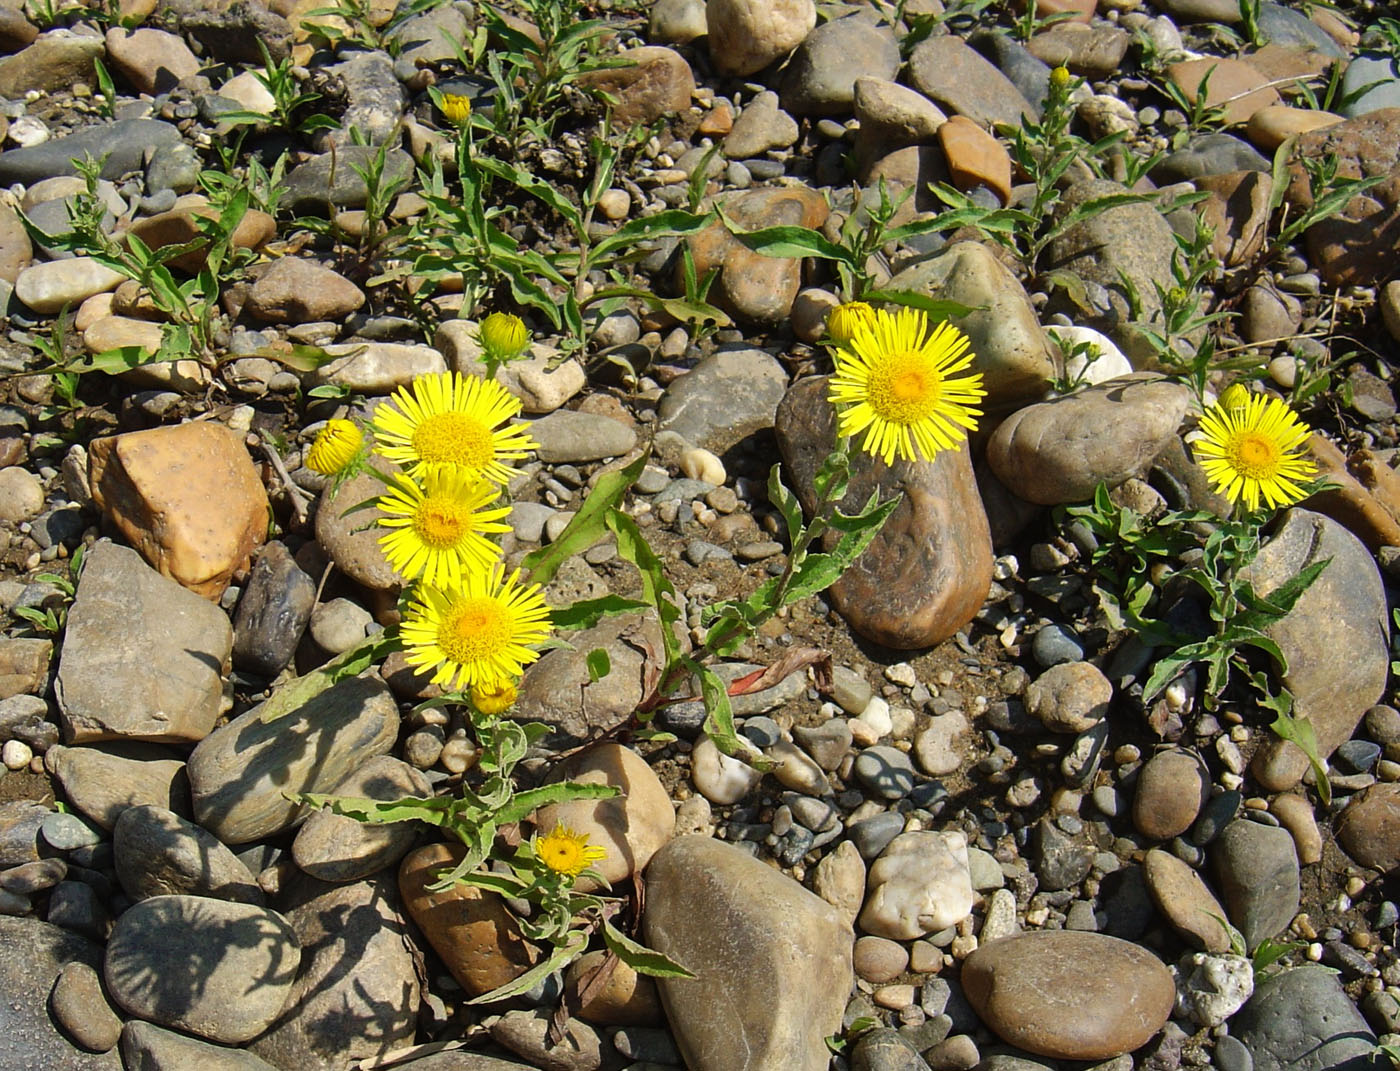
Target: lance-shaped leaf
{"points": [[588, 524], [298, 692], [561, 957], [639, 957]]}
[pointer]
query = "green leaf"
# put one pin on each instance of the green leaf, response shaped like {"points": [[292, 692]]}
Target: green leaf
{"points": [[523, 804], [588, 612], [558, 959], [598, 663], [588, 524], [792, 241], [641, 959], [674, 223], [435, 810], [656, 588], [298, 692], [1299, 732], [938, 309], [786, 503]]}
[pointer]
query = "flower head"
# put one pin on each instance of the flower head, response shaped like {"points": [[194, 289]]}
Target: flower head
{"points": [[566, 852], [895, 381], [457, 108], [842, 321], [335, 447], [493, 697], [451, 419], [1233, 397], [1254, 449], [503, 337], [1059, 77], [475, 633], [438, 531]]}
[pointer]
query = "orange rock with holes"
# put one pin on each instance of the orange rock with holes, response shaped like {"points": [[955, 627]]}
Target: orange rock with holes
{"points": [[187, 497], [975, 157]]}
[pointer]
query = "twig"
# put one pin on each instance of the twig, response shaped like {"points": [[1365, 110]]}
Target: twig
{"points": [[300, 498]]}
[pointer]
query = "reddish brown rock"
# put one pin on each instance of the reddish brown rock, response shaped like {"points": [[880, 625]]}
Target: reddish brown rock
{"points": [[754, 287], [478, 939], [658, 83], [1082, 10], [1238, 211], [1069, 995], [1171, 790], [187, 497], [1185, 901], [1234, 85], [179, 226], [1270, 127], [975, 158], [1369, 828], [151, 60], [1350, 502], [928, 571]]}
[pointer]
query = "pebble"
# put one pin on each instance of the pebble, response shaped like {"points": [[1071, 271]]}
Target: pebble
{"points": [[919, 884], [1069, 697], [1257, 871], [747, 35], [82, 1009], [338, 625], [718, 777], [67, 832], [1187, 903], [885, 772]]}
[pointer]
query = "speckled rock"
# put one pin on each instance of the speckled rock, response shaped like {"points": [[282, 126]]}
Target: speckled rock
{"points": [[918, 885], [1257, 870], [187, 497]]}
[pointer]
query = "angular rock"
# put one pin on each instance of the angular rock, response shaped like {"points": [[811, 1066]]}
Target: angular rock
{"points": [[356, 994], [158, 853], [920, 884], [1009, 347], [630, 827], [747, 35], [102, 783], [32, 954], [240, 772], [927, 572], [1069, 995], [471, 929], [294, 290], [1257, 868], [142, 657], [1344, 610], [1058, 451], [19, 831], [212, 968], [1070, 697], [55, 60], [727, 397], [151, 60], [761, 126], [272, 613], [756, 288], [785, 952], [659, 83], [542, 380], [187, 497], [334, 848]]}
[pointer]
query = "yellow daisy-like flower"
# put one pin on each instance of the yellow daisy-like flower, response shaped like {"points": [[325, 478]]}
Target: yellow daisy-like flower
{"points": [[477, 632], [493, 697], [335, 447], [566, 852], [504, 336], [1254, 449], [842, 321], [457, 108], [896, 382], [451, 419], [439, 530]]}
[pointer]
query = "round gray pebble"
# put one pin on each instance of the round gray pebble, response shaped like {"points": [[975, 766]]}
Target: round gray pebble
{"points": [[1056, 644], [66, 832], [885, 772]]}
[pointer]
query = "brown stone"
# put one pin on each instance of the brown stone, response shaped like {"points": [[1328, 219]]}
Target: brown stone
{"points": [[54, 61], [1082, 10], [975, 158], [16, 250], [296, 291], [151, 60], [1234, 85], [658, 83], [1369, 828], [625, 999], [1238, 211], [1069, 995], [1171, 790], [478, 939], [928, 570], [1295, 814], [1351, 502], [1186, 901], [180, 225], [24, 665], [16, 31], [1091, 51], [753, 287], [747, 35], [1270, 127], [718, 121], [187, 497]]}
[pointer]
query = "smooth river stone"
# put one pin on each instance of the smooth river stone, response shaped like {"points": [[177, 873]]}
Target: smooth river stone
{"points": [[334, 847], [773, 961], [927, 572], [1069, 995], [240, 772], [1058, 451], [1343, 611], [1369, 828], [1185, 901]]}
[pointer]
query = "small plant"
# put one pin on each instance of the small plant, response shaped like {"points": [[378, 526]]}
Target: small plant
{"points": [[291, 103], [1328, 193], [1200, 113], [1027, 24], [1249, 19], [51, 619]]}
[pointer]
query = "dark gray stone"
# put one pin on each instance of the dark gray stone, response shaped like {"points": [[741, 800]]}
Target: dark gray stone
{"points": [[158, 853], [1302, 1020], [1063, 862], [724, 399], [233, 34], [1291, 28], [147, 1047], [1257, 870], [272, 613], [124, 143], [20, 822], [1209, 154], [1027, 73], [331, 179], [884, 1049]]}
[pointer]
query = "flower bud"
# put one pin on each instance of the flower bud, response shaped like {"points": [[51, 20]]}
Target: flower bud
{"points": [[503, 337], [845, 320], [1059, 77], [1235, 396], [493, 698], [335, 447], [457, 108]]}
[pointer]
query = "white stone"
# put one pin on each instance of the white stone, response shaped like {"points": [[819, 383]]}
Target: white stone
{"points": [[698, 463], [747, 35], [377, 367], [1210, 989], [247, 89], [21, 495], [935, 748], [920, 884], [795, 769], [877, 715], [718, 777], [16, 754], [48, 287], [1110, 363], [541, 380]]}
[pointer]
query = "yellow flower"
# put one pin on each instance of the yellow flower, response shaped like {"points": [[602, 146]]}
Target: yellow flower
{"points": [[451, 419], [477, 632], [1059, 77], [335, 447], [457, 108], [438, 530], [895, 382], [1254, 449], [503, 337], [842, 321], [1233, 397], [566, 852], [493, 697]]}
